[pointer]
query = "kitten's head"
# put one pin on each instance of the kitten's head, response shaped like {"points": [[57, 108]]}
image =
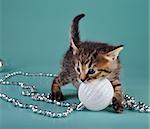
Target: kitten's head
{"points": [[94, 62]]}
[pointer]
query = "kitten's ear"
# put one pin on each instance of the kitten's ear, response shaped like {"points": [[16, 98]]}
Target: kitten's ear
{"points": [[74, 47], [112, 55]]}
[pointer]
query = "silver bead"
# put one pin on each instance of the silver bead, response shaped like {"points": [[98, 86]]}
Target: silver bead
{"points": [[48, 113], [73, 106], [44, 99], [12, 74], [126, 96], [40, 74], [23, 93], [14, 103], [54, 101], [53, 114], [26, 74], [34, 98], [21, 84], [132, 98], [39, 111], [19, 72], [31, 105], [50, 74], [43, 94], [49, 94], [10, 100], [134, 106], [3, 83], [20, 105], [3, 95], [25, 106], [32, 93], [1, 80], [148, 110], [141, 110], [34, 108], [146, 106], [6, 98], [58, 103], [7, 83], [6, 77], [41, 98], [47, 74], [33, 87], [59, 115], [49, 101], [65, 114], [69, 110]]}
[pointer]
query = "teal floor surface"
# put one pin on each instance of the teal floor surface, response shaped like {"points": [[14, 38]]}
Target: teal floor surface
{"points": [[34, 35]]}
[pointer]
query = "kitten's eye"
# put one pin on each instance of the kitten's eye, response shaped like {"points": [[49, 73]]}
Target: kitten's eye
{"points": [[78, 69], [91, 71]]}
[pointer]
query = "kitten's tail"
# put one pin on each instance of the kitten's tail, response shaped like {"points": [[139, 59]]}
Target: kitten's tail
{"points": [[74, 34]]}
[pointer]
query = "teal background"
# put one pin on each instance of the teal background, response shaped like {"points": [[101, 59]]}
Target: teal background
{"points": [[34, 35]]}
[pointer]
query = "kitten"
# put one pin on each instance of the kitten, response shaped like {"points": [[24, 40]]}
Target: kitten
{"points": [[86, 61]]}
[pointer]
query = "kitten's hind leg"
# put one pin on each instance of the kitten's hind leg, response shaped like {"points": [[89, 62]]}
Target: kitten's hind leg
{"points": [[60, 80]]}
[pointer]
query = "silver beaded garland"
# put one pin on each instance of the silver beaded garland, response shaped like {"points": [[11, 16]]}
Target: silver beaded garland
{"points": [[29, 90]]}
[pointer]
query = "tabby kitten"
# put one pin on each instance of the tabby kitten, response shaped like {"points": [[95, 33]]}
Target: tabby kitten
{"points": [[86, 61]]}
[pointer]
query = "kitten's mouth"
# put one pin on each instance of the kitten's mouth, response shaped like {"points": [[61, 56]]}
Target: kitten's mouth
{"points": [[79, 80], [85, 81], [89, 80]]}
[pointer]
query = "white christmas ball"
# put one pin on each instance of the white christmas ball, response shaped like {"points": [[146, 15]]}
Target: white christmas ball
{"points": [[96, 95]]}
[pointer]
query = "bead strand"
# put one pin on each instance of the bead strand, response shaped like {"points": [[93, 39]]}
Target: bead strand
{"points": [[131, 104], [34, 108], [31, 91]]}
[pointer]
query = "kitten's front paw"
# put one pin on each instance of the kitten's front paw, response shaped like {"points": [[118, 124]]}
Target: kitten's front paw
{"points": [[58, 96], [118, 105]]}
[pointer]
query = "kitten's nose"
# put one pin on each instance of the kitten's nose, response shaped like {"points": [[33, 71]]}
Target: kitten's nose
{"points": [[83, 76], [82, 80]]}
